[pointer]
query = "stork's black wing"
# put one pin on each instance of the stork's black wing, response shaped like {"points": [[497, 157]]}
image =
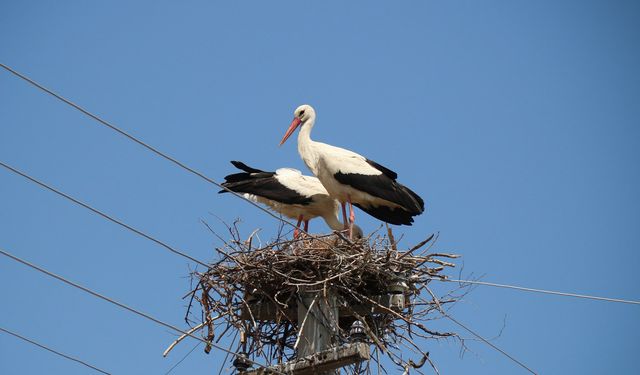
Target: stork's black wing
{"points": [[384, 186], [263, 184]]}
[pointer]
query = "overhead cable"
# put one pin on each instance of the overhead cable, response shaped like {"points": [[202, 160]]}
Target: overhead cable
{"points": [[104, 215], [534, 290], [42, 346]]}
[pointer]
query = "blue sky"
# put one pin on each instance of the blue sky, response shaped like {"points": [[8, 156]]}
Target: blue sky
{"points": [[516, 121]]}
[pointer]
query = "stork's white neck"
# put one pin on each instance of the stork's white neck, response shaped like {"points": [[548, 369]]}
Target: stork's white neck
{"points": [[333, 222], [306, 146]]}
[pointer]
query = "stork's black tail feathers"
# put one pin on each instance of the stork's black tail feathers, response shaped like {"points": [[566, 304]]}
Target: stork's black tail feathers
{"points": [[235, 181], [396, 216], [243, 167]]}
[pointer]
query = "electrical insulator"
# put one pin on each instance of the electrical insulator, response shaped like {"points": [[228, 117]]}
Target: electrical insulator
{"points": [[357, 333], [241, 363]]}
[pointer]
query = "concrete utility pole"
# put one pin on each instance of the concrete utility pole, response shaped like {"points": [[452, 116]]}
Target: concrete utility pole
{"points": [[317, 321]]}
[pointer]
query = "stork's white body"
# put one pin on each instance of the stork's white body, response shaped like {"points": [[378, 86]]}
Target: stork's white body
{"points": [[325, 161], [321, 204]]}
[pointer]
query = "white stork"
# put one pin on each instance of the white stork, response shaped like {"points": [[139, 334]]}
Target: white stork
{"points": [[352, 178], [288, 192]]}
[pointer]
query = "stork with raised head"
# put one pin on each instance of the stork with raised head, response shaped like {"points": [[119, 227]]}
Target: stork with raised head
{"points": [[288, 192], [353, 179]]}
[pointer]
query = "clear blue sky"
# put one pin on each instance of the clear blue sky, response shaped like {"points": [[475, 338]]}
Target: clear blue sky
{"points": [[517, 121]]}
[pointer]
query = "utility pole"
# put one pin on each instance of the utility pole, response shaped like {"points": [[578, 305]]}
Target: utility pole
{"points": [[317, 351], [317, 321]]}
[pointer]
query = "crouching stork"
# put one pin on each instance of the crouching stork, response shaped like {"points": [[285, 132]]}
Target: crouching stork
{"points": [[288, 192]]}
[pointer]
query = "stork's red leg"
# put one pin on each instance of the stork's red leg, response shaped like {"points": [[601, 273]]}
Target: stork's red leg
{"points": [[296, 232], [352, 217], [352, 214], [306, 226], [344, 216]]}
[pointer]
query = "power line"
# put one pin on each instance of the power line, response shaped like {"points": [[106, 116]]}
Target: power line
{"points": [[104, 215], [143, 144], [183, 358], [487, 342], [227, 356], [53, 351], [121, 305], [543, 291]]}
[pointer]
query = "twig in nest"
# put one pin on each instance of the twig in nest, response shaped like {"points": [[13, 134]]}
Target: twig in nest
{"points": [[207, 311], [422, 243], [295, 346], [188, 333], [392, 239]]}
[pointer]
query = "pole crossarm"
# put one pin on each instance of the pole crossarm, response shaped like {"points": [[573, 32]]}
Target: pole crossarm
{"points": [[321, 362]]}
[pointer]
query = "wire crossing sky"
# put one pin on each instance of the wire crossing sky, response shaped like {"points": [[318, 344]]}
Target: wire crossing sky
{"points": [[98, 212], [52, 350], [517, 122], [534, 290]]}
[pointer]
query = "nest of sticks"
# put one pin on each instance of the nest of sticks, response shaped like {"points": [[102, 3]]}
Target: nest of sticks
{"points": [[381, 293]]}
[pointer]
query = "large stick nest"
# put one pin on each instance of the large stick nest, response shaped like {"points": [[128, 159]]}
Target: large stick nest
{"points": [[256, 290]]}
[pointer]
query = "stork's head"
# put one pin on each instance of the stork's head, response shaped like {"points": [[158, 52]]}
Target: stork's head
{"points": [[301, 115], [357, 232]]}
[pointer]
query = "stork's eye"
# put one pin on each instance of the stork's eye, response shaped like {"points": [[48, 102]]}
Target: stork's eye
{"points": [[302, 113]]}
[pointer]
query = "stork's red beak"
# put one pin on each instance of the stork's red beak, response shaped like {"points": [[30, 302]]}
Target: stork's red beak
{"points": [[294, 124]]}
